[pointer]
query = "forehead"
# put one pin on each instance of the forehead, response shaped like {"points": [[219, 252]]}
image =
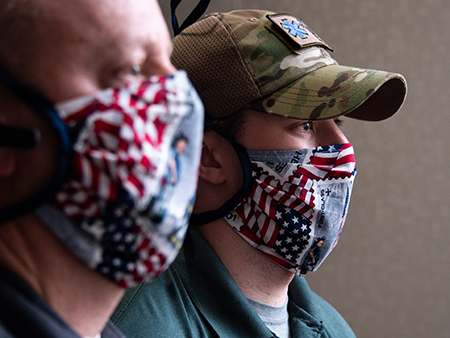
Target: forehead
{"points": [[113, 22], [258, 119], [263, 131]]}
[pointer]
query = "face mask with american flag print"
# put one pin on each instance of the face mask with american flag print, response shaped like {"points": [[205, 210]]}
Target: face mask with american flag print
{"points": [[124, 208], [297, 207]]}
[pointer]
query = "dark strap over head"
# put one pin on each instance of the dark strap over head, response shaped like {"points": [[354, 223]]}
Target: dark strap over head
{"points": [[196, 13]]}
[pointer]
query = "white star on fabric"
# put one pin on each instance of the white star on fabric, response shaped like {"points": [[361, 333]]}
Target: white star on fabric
{"points": [[285, 224], [96, 229], [295, 248], [254, 174], [287, 210], [284, 250], [304, 227], [281, 231], [104, 269], [278, 215], [288, 256], [129, 238], [112, 227], [117, 237], [128, 222], [277, 243], [295, 220], [288, 240]]}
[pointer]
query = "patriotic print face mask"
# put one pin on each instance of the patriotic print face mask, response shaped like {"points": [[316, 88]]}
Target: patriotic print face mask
{"points": [[125, 206], [297, 207]]}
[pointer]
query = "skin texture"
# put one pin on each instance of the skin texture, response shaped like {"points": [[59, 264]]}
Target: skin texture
{"points": [[73, 48], [220, 177]]}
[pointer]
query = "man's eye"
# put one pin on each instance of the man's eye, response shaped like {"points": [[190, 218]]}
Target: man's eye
{"points": [[127, 74], [306, 126], [135, 70]]}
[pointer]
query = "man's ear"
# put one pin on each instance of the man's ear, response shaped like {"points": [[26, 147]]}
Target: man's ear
{"points": [[212, 166], [7, 162]]}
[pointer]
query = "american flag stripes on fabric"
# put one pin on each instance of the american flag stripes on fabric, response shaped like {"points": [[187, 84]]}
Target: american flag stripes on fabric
{"points": [[121, 156], [298, 197]]}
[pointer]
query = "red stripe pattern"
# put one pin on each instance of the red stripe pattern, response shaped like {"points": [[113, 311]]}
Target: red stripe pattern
{"points": [[120, 159], [277, 215]]}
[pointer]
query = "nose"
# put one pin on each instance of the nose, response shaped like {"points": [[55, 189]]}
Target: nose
{"points": [[158, 44], [158, 61], [163, 66], [330, 133]]}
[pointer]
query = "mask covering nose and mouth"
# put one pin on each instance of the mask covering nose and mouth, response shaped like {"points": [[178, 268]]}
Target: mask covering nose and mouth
{"points": [[297, 207], [293, 203], [123, 194]]}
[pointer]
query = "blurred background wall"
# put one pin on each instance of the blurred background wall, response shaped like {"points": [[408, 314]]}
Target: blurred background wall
{"points": [[389, 274]]}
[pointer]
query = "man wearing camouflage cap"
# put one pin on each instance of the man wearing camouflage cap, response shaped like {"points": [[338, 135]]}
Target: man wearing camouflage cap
{"points": [[276, 176]]}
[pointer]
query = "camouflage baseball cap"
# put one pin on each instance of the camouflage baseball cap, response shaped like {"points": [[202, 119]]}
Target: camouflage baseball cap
{"points": [[274, 63]]}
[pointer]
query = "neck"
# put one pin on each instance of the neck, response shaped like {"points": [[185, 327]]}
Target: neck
{"points": [[258, 277], [83, 298]]}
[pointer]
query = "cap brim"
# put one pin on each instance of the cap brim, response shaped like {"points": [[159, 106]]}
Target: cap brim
{"points": [[335, 90]]}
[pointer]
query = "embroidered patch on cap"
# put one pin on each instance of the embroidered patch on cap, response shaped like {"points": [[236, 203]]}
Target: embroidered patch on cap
{"points": [[297, 31]]}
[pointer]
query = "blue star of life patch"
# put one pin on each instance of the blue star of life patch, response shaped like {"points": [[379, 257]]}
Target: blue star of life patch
{"points": [[294, 29], [289, 28]]}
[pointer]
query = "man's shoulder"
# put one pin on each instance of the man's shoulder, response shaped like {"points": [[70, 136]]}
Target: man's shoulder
{"points": [[303, 299], [196, 297], [162, 294], [164, 307]]}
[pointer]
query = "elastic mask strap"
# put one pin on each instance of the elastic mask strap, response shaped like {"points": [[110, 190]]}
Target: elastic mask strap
{"points": [[212, 215], [28, 138], [193, 17]]}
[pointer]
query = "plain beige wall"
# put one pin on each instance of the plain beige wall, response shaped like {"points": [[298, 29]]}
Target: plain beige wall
{"points": [[388, 276]]}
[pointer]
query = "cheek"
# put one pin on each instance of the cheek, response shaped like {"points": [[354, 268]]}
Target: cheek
{"points": [[259, 137], [272, 137]]}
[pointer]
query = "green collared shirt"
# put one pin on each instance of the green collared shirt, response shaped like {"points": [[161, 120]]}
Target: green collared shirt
{"points": [[197, 297]]}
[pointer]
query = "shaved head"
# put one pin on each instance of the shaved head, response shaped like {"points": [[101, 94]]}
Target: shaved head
{"points": [[70, 48]]}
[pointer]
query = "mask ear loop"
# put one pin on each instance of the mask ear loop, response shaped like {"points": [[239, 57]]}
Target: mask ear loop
{"points": [[244, 159], [196, 13], [46, 108]]}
